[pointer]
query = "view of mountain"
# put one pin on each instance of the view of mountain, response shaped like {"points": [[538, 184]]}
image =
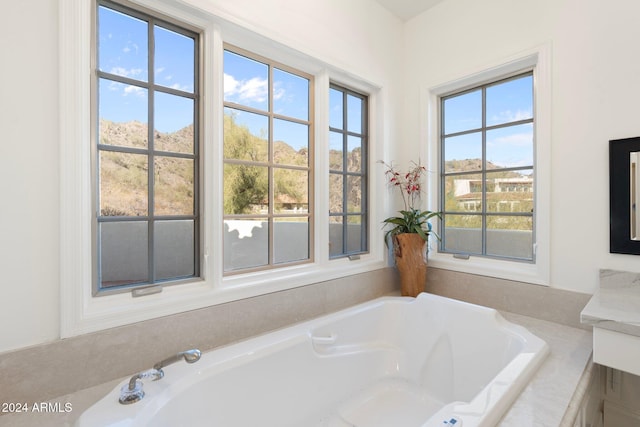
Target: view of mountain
{"points": [[124, 176]]}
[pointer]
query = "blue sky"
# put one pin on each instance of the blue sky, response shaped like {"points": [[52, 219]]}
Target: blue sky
{"points": [[354, 108], [246, 82], [510, 146], [123, 47]]}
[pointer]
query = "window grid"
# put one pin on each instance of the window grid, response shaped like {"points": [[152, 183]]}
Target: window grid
{"points": [[150, 152], [484, 215], [345, 216], [271, 216]]}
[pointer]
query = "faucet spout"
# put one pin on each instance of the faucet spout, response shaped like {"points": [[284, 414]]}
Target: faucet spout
{"points": [[132, 391], [189, 356]]}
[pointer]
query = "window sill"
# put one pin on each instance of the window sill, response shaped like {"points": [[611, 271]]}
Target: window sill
{"points": [[509, 270], [108, 311]]}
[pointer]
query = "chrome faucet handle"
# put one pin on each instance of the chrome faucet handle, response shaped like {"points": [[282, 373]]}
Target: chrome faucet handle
{"points": [[129, 395], [132, 391]]}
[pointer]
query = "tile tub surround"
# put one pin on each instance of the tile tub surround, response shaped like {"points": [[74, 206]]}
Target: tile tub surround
{"points": [[542, 302], [42, 372], [547, 401], [57, 370]]}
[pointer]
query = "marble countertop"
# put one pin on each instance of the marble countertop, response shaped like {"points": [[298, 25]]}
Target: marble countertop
{"points": [[549, 400], [552, 397], [616, 304]]}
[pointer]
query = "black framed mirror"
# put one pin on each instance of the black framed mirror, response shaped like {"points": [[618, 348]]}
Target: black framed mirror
{"points": [[624, 196]]}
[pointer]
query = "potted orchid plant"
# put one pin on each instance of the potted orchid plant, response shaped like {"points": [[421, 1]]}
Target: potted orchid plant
{"points": [[410, 231], [412, 219]]}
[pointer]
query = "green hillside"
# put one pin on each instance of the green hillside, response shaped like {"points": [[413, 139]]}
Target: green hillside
{"points": [[124, 176]]}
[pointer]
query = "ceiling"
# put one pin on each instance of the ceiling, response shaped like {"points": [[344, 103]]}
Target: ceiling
{"points": [[407, 9]]}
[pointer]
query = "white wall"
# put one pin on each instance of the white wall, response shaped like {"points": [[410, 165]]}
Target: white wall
{"points": [[29, 288], [595, 82], [357, 36]]}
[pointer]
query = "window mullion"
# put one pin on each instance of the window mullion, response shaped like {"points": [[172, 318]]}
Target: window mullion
{"points": [[345, 178], [151, 156], [484, 171], [442, 244], [121, 79], [271, 173]]}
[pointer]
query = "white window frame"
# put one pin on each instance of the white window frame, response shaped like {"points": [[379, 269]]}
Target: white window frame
{"points": [[538, 60], [80, 311]]}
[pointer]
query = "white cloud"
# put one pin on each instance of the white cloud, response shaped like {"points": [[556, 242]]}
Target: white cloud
{"points": [[278, 92], [130, 47], [230, 84], [252, 90], [511, 116], [512, 150], [513, 140], [121, 71], [134, 90], [126, 90]]}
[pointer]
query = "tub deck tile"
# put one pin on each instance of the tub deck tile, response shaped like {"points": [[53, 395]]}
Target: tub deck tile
{"points": [[547, 397]]}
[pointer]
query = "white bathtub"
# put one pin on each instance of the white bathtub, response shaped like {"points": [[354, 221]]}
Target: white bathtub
{"points": [[393, 361]]}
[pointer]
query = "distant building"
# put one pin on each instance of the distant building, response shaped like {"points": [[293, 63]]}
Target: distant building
{"points": [[503, 194]]}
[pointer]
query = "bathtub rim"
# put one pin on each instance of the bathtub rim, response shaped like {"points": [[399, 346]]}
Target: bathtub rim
{"points": [[289, 334]]}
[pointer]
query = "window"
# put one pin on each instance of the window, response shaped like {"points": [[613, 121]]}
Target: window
{"points": [[146, 148], [487, 184], [348, 161], [268, 154], [209, 252]]}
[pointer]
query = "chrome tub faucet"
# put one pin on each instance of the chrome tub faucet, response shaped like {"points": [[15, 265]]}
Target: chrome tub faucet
{"points": [[133, 392], [189, 356]]}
